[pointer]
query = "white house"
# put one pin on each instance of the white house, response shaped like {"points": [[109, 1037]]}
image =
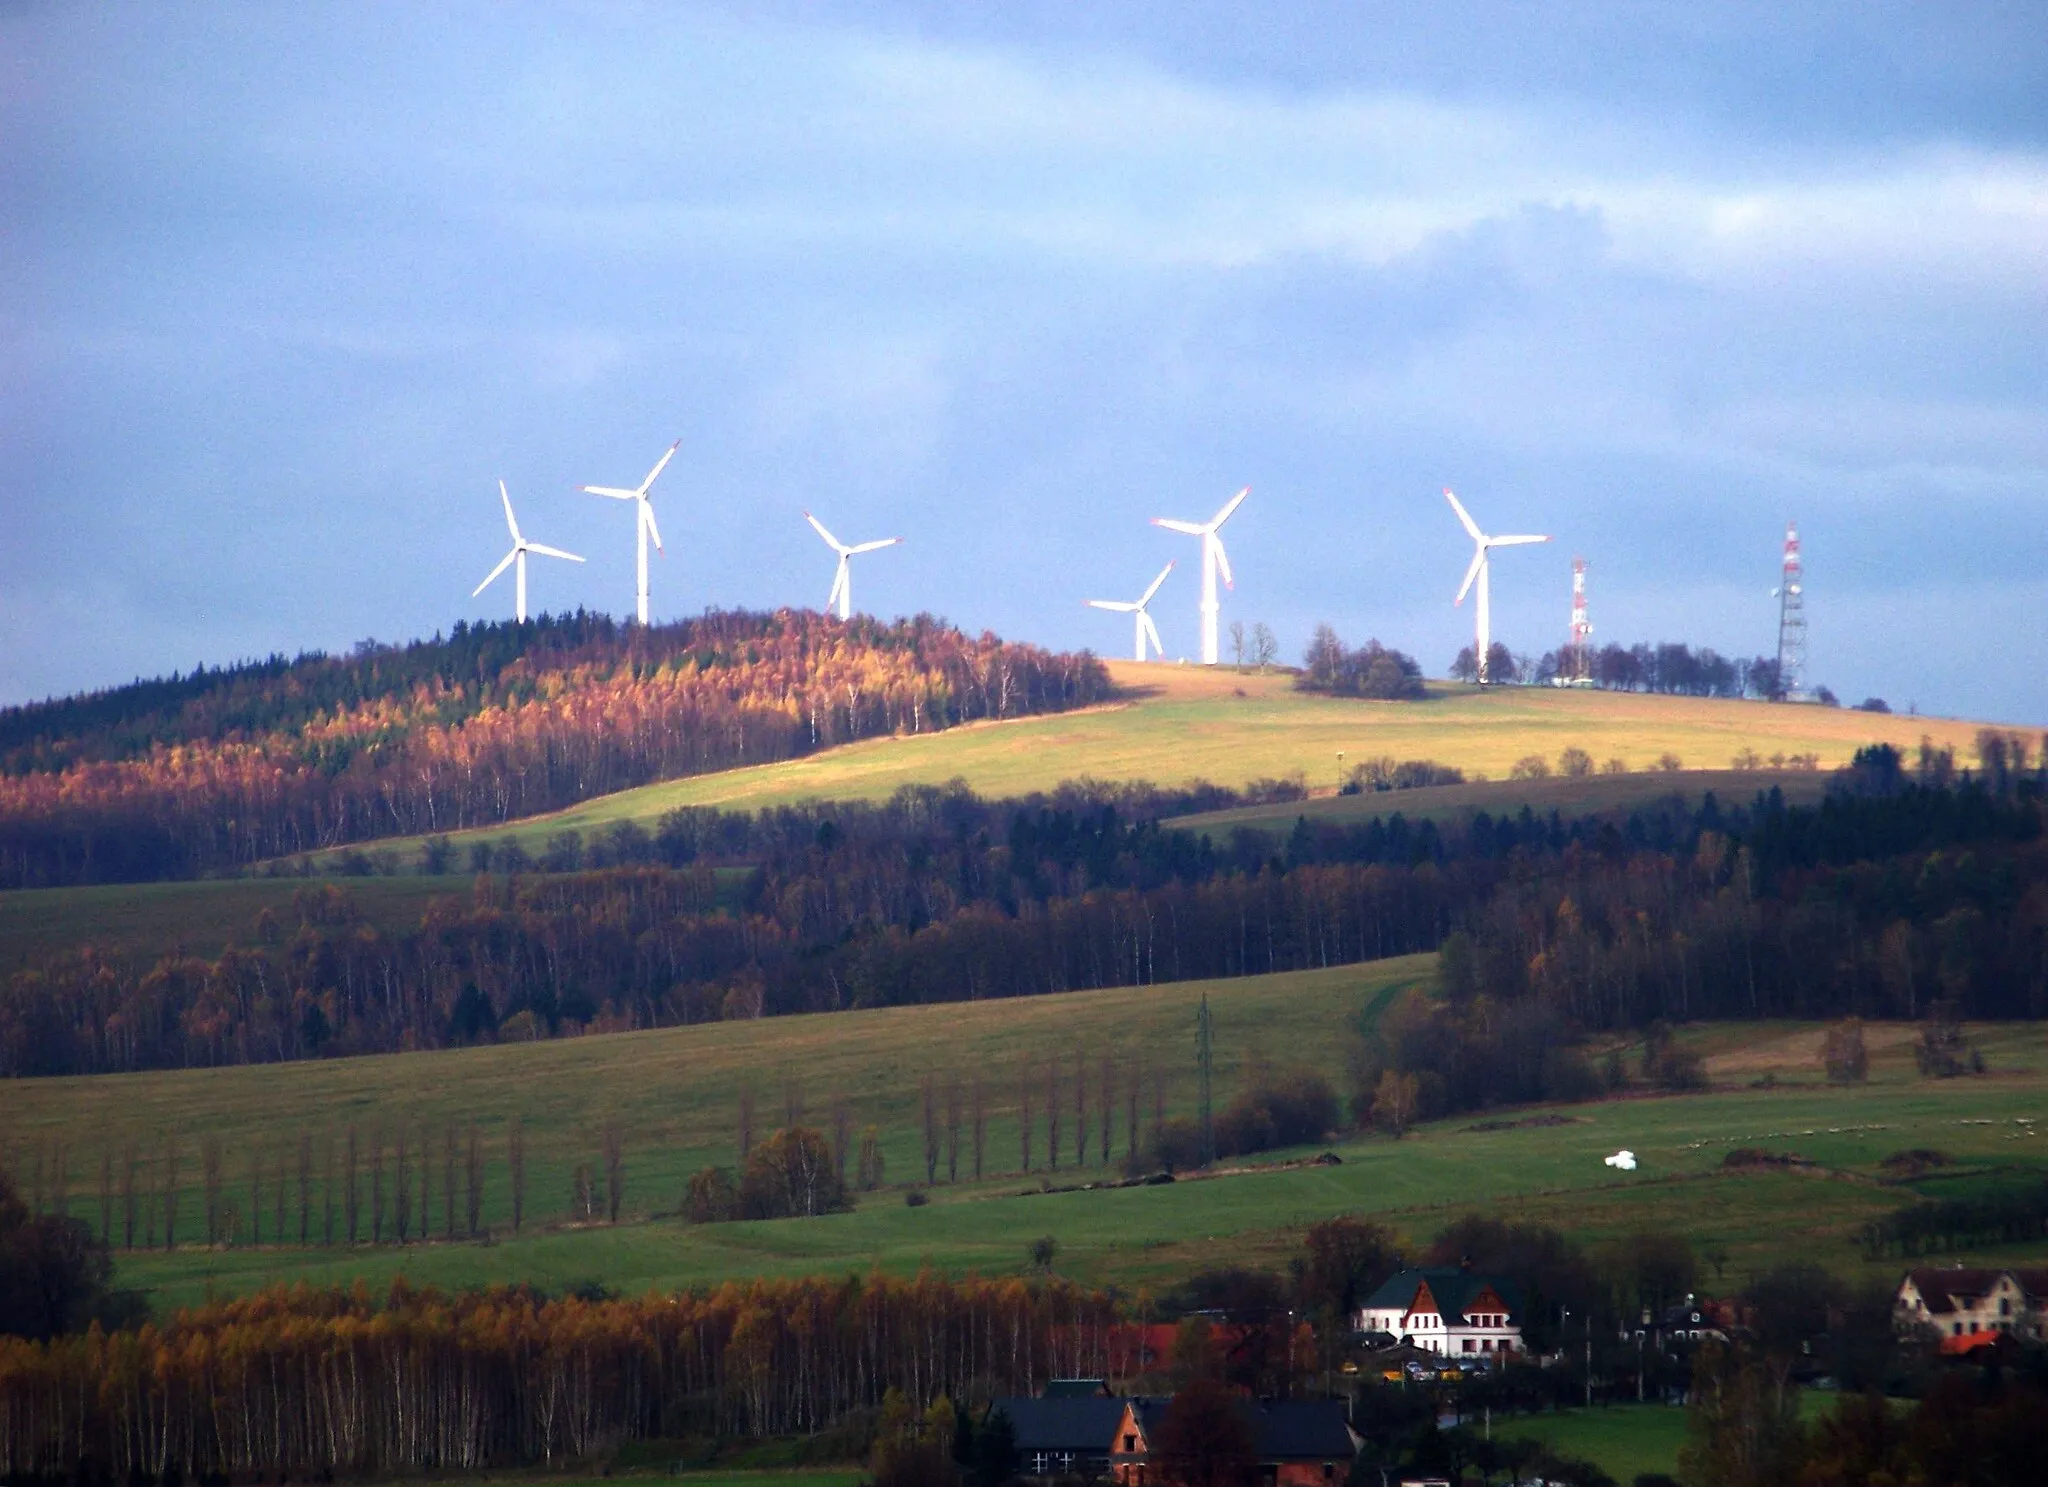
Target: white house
{"points": [[1445, 1311]]}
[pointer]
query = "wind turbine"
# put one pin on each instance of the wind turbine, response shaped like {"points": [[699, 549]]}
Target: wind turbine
{"points": [[842, 582], [1145, 628], [1478, 570], [643, 524], [1213, 561], [517, 557]]}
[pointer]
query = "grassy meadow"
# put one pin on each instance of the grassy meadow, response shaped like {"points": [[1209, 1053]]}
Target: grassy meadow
{"points": [[1178, 724], [675, 1094]]}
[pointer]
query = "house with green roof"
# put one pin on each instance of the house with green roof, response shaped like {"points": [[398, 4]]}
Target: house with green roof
{"points": [[1446, 1310]]}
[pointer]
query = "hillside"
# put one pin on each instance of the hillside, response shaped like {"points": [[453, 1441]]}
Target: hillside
{"points": [[208, 774], [1174, 725], [675, 1097]]}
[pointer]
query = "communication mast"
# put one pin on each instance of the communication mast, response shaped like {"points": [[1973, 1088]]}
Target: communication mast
{"points": [[1581, 659], [1791, 592]]}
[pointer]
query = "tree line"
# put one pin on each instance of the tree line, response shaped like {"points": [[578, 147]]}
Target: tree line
{"points": [[493, 724], [1879, 901]]}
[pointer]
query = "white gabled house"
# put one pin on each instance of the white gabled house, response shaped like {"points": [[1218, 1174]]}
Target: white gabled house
{"points": [[1448, 1311]]}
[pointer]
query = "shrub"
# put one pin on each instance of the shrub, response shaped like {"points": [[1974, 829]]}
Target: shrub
{"points": [[1530, 767], [1843, 1055], [711, 1197], [1575, 763], [791, 1175], [1278, 1110]]}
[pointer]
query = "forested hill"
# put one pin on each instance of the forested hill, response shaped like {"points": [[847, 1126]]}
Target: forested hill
{"points": [[209, 772]]}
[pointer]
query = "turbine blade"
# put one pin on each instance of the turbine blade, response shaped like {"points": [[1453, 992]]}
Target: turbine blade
{"points": [[647, 515], [610, 490], [1513, 541], [1223, 562], [1156, 583], [659, 465], [552, 552], [1192, 528], [838, 583], [1114, 606], [1470, 525], [1228, 507], [874, 546], [510, 521], [1152, 630], [1478, 562], [502, 566], [830, 541]]}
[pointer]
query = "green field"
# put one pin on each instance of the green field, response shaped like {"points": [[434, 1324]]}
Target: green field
{"points": [[1180, 724], [675, 1094], [1622, 1440]]}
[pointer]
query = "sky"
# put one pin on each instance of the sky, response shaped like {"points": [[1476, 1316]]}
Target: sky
{"points": [[286, 290]]}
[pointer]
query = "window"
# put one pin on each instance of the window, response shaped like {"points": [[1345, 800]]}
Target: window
{"points": [[2005, 1308], [1130, 1443], [1468, 1345], [1329, 1471]]}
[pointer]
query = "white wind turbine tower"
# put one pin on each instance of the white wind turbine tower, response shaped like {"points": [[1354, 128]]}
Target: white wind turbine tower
{"points": [[1213, 562], [1145, 628], [1479, 570], [643, 523], [517, 557], [842, 582]]}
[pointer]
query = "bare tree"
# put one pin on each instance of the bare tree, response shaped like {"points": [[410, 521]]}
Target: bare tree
{"points": [[107, 1193], [1133, 1090], [256, 1192], [1025, 1117], [977, 1119], [210, 1182], [401, 1162], [169, 1159], [953, 1102], [613, 1139], [1052, 1112], [277, 1199], [515, 1156], [60, 1180], [376, 1184], [303, 1173], [842, 1134], [451, 1143], [327, 1187], [746, 1119], [473, 1182], [929, 1104], [1080, 1106], [426, 1216], [870, 1167], [1108, 1106], [131, 1189], [353, 1193], [792, 1100]]}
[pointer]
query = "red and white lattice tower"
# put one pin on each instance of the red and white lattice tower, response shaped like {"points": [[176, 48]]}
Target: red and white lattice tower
{"points": [[1792, 620], [1582, 627]]}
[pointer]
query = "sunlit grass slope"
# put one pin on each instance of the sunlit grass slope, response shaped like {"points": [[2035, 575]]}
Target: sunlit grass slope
{"points": [[675, 1094], [1181, 723]]}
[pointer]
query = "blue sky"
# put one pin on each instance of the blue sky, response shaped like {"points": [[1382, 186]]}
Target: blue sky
{"points": [[285, 290]]}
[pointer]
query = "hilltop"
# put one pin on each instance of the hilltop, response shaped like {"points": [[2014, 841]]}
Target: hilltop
{"points": [[210, 773]]}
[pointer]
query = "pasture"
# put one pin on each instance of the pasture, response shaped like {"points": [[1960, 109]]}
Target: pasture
{"points": [[674, 1094], [1180, 724]]}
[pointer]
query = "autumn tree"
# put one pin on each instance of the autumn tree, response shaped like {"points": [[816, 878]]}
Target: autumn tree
{"points": [[1394, 1102], [1205, 1439], [791, 1176]]}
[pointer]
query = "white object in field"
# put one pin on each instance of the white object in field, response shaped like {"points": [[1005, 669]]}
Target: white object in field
{"points": [[1479, 571], [1214, 561], [1143, 624], [842, 582], [1623, 1160], [516, 558], [643, 521]]}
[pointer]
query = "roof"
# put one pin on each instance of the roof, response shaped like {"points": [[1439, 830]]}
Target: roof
{"points": [[1282, 1430], [1941, 1288], [1075, 1389], [1454, 1288], [1084, 1423]]}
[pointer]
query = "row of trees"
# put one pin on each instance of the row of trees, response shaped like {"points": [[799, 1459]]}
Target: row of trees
{"points": [[1879, 901], [279, 760]]}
